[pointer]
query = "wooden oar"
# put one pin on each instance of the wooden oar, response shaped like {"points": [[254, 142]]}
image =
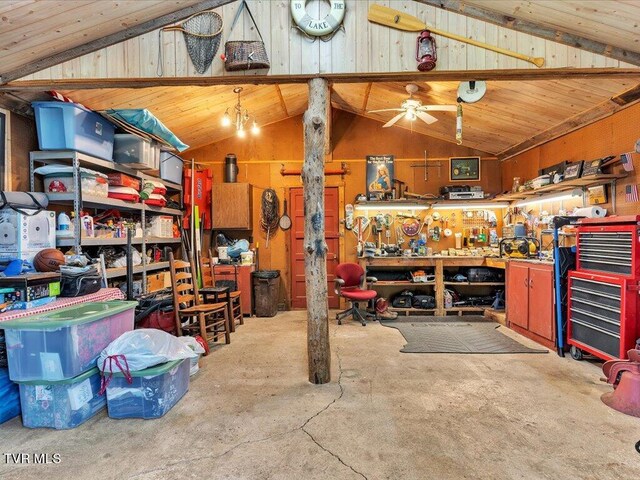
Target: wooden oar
{"points": [[402, 21]]}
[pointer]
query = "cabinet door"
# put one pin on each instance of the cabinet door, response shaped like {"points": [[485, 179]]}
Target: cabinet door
{"points": [[541, 317], [518, 294], [231, 206]]}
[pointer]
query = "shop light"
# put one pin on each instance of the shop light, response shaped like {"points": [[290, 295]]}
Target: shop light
{"points": [[395, 206], [469, 206], [557, 197]]}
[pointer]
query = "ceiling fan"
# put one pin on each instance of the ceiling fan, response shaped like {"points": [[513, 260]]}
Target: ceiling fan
{"points": [[412, 108]]}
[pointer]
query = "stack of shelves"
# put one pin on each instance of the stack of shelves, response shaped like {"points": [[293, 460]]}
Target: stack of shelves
{"points": [[80, 202]]}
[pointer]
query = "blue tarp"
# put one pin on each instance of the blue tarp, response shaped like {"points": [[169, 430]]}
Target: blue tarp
{"points": [[144, 120]]}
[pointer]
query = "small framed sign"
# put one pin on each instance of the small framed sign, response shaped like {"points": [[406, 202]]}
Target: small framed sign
{"points": [[573, 170], [464, 169]]}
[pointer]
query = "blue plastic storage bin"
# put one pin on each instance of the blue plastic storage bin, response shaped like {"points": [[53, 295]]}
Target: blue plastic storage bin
{"points": [[153, 392], [62, 344], [61, 405], [9, 397], [69, 126]]}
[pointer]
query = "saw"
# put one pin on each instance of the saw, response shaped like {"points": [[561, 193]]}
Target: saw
{"points": [[399, 20]]}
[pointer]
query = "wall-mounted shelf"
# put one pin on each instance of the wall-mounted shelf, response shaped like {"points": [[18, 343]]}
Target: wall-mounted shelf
{"points": [[585, 182]]}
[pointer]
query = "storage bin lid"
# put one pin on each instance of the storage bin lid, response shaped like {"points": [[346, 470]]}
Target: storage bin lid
{"points": [[68, 381], [267, 274], [65, 317], [154, 371]]}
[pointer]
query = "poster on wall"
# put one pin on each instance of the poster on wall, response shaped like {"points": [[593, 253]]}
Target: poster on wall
{"points": [[379, 175], [464, 169]]}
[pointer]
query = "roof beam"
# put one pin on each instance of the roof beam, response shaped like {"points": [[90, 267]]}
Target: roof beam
{"points": [[432, 76], [603, 110], [107, 41], [531, 28]]}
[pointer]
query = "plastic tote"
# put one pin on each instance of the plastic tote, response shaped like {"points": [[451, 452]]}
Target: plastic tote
{"points": [[152, 392], [171, 167], [69, 126], [62, 344], [9, 397], [63, 404]]}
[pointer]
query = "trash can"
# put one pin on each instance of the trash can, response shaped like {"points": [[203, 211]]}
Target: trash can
{"points": [[266, 291]]}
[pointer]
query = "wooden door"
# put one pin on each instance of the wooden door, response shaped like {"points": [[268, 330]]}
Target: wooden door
{"points": [[541, 317], [518, 294], [332, 237]]}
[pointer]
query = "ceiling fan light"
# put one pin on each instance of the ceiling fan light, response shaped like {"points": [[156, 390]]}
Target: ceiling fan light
{"points": [[410, 115]]}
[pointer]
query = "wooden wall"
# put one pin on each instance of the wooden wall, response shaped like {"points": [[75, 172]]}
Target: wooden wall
{"points": [[611, 136], [361, 47], [23, 140], [260, 159]]}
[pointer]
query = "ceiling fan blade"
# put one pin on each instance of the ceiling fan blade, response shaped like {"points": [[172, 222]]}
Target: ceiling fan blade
{"points": [[393, 120], [425, 117], [386, 110], [438, 108]]}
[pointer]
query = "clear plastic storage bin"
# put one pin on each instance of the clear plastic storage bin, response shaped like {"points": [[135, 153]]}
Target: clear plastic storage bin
{"points": [[133, 150], [69, 126], [62, 344], [90, 183], [62, 404], [171, 167], [153, 392]]}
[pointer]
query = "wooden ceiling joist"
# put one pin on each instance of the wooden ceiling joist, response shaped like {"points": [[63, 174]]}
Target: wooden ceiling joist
{"points": [[535, 29], [403, 77], [108, 40]]}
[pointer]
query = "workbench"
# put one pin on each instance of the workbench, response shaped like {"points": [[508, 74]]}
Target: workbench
{"points": [[439, 264]]}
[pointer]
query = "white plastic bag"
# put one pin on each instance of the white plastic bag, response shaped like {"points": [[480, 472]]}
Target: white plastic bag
{"points": [[142, 348], [194, 345]]}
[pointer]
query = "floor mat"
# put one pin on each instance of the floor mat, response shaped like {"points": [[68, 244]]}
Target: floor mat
{"points": [[436, 335]]}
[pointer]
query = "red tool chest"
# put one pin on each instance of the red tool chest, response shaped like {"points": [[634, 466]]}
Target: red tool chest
{"points": [[603, 290]]}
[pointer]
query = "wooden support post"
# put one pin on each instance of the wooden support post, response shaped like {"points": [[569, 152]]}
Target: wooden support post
{"points": [[315, 255]]}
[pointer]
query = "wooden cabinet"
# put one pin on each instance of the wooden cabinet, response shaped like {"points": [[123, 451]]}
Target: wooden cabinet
{"points": [[227, 272], [518, 294], [231, 206], [530, 301]]}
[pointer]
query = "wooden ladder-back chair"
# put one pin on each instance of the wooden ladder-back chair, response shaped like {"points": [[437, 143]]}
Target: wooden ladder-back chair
{"points": [[235, 294], [208, 320]]}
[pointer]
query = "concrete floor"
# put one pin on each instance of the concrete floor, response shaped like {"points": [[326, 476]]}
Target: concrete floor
{"points": [[251, 414]]}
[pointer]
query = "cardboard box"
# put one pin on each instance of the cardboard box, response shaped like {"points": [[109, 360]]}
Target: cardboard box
{"points": [[29, 287], [22, 236]]}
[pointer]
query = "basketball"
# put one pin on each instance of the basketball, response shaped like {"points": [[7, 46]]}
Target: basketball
{"points": [[48, 260]]}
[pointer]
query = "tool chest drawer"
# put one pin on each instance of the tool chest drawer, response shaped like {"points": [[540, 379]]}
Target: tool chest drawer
{"points": [[602, 314], [609, 249]]}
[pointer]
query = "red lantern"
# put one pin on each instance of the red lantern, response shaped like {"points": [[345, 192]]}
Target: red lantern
{"points": [[426, 51]]}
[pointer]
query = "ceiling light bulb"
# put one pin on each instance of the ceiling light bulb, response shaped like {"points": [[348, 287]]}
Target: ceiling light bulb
{"points": [[241, 133], [226, 119], [255, 129], [410, 115]]}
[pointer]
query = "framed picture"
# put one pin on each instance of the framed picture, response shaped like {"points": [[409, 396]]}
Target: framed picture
{"points": [[379, 175], [463, 169], [573, 170]]}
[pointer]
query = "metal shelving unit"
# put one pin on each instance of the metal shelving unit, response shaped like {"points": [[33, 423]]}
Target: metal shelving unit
{"points": [[80, 202]]}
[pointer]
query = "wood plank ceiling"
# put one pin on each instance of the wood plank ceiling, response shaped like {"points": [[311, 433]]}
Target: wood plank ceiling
{"points": [[510, 113], [607, 22], [32, 29]]}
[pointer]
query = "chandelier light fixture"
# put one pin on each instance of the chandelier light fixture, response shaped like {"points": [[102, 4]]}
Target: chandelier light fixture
{"points": [[239, 118]]}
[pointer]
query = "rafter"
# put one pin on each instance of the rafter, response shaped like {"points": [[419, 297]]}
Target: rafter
{"points": [[103, 42], [535, 29]]}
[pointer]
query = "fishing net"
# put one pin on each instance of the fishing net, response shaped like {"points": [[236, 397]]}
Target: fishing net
{"points": [[202, 35]]}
